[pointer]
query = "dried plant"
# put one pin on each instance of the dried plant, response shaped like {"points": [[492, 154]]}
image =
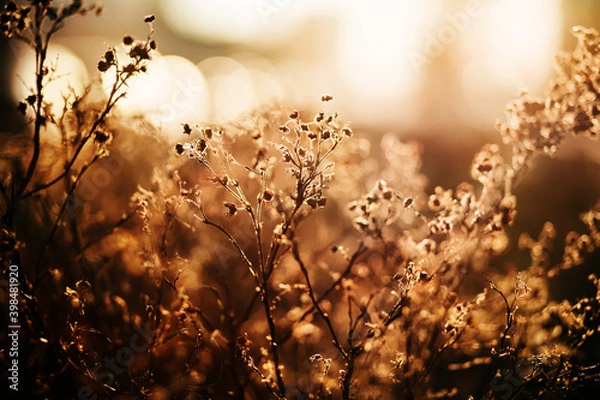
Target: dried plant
{"points": [[269, 258]]}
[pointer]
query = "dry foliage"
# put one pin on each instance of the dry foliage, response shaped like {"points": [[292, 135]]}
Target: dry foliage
{"points": [[269, 259]]}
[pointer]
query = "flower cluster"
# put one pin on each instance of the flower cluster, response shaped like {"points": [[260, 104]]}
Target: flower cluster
{"points": [[376, 209], [138, 52], [535, 125]]}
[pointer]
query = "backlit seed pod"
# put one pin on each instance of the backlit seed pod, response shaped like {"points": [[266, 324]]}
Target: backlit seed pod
{"points": [[231, 209], [127, 40], [268, 195]]}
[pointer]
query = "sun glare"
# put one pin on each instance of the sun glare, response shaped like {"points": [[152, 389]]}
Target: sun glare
{"points": [[511, 48], [186, 97], [230, 85], [373, 49]]}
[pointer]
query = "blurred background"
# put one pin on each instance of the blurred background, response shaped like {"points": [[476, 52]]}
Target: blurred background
{"points": [[406, 65], [439, 71], [426, 65]]}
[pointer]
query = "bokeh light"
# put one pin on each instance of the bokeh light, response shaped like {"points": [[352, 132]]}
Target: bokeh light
{"points": [[256, 23], [377, 53], [67, 76], [172, 90], [504, 55], [186, 97], [373, 53], [230, 85]]}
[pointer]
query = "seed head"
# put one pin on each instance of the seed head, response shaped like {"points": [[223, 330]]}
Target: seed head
{"points": [[231, 209], [268, 195]]}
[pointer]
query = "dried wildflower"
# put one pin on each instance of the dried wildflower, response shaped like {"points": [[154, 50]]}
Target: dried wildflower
{"points": [[200, 145], [314, 203], [391, 298], [129, 68], [101, 137], [149, 18], [11, 6], [140, 51], [128, 40], [268, 195], [440, 199], [22, 107], [488, 166], [15, 19], [231, 209], [326, 97], [109, 56], [103, 66]]}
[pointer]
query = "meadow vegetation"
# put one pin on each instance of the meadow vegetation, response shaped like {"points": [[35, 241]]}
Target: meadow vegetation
{"points": [[275, 257]]}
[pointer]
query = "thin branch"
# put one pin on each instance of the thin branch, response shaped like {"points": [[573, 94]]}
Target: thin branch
{"points": [[239, 249], [509, 315], [315, 302]]}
